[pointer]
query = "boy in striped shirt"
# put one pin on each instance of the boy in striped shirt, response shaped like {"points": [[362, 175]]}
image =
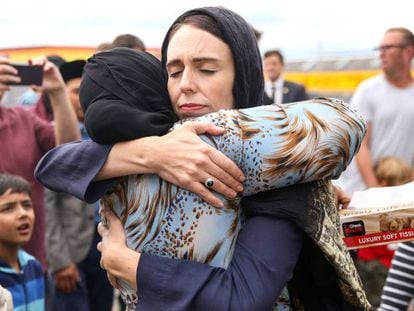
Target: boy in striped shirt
{"points": [[20, 273]]}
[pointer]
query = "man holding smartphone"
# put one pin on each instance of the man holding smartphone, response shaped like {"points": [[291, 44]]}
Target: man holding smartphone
{"points": [[25, 138]]}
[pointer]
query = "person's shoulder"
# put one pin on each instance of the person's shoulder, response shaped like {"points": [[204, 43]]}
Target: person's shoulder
{"points": [[17, 110], [25, 260], [372, 82], [293, 84], [16, 113]]}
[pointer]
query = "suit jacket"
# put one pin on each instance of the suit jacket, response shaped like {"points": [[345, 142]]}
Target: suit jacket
{"points": [[292, 92], [70, 228]]}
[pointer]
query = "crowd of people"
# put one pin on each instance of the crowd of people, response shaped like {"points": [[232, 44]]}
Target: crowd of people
{"points": [[199, 180]]}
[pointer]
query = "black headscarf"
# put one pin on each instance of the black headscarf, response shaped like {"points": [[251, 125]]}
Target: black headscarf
{"points": [[124, 96], [240, 37]]}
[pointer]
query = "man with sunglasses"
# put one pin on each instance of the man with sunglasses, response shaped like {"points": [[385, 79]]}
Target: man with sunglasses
{"points": [[387, 103]]}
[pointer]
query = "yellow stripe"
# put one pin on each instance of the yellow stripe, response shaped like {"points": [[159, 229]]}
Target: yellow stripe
{"points": [[331, 81], [68, 53]]}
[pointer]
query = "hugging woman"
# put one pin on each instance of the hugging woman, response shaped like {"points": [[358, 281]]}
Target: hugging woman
{"points": [[213, 63]]}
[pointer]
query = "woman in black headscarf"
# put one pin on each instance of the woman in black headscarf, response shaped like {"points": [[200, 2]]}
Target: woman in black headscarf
{"points": [[308, 199]]}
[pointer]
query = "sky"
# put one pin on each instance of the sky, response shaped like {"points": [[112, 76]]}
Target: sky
{"points": [[302, 29]]}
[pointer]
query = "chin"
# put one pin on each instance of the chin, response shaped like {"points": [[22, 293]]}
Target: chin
{"points": [[194, 114], [24, 240]]}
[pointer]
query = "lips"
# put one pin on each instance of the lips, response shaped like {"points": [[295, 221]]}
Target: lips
{"points": [[191, 106], [24, 229], [191, 109]]}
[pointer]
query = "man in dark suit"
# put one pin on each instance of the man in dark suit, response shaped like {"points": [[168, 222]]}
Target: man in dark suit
{"points": [[278, 90]]}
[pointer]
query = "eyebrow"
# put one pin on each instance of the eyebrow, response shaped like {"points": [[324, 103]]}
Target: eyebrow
{"points": [[205, 59], [15, 202], [175, 62]]}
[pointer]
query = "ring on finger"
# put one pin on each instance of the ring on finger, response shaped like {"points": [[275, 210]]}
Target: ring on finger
{"points": [[209, 182]]}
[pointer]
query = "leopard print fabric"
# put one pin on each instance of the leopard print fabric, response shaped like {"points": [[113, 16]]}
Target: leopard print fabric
{"points": [[275, 145], [323, 231]]}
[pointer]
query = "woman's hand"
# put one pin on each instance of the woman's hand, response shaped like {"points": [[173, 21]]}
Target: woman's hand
{"points": [[182, 158], [116, 258]]}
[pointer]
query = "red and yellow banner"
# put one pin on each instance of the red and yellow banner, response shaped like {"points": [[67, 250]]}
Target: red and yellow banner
{"points": [[69, 53]]}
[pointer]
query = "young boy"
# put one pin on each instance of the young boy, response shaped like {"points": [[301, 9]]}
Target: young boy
{"points": [[20, 273]]}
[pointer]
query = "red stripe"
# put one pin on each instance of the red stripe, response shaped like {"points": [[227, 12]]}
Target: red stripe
{"points": [[379, 238]]}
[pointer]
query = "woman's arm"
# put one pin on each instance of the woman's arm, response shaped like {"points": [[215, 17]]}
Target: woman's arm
{"points": [[72, 167], [282, 145], [179, 157], [264, 258]]}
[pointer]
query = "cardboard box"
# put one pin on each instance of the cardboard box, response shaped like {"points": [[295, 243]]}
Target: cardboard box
{"points": [[379, 216]]}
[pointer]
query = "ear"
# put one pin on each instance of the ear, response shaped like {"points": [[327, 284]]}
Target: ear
{"points": [[410, 52]]}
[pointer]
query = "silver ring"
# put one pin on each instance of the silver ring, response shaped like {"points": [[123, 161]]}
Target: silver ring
{"points": [[209, 182]]}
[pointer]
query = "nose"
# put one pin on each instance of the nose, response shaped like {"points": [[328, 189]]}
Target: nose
{"points": [[23, 211], [187, 82], [382, 54]]}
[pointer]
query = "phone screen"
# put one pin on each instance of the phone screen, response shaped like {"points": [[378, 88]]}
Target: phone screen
{"points": [[29, 74]]}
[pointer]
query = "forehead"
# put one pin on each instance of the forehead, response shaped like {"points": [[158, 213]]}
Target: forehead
{"points": [[192, 42], [392, 37], [272, 59], [73, 83], [9, 197]]}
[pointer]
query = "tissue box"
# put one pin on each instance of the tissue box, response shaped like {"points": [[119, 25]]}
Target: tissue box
{"points": [[379, 216]]}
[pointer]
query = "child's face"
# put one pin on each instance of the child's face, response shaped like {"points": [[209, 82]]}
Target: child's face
{"points": [[16, 218]]}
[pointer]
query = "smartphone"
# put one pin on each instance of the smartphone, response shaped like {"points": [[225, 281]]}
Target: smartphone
{"points": [[29, 74]]}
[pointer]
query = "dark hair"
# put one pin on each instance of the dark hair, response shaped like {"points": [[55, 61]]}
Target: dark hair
{"points": [[408, 36], [274, 53], [104, 46], [56, 59], [72, 70], [16, 183], [257, 33], [128, 41], [233, 30]]}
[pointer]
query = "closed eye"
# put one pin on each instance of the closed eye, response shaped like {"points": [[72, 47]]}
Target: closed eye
{"points": [[175, 74], [208, 71]]}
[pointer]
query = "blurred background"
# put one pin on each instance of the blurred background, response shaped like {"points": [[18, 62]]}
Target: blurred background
{"points": [[328, 45]]}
